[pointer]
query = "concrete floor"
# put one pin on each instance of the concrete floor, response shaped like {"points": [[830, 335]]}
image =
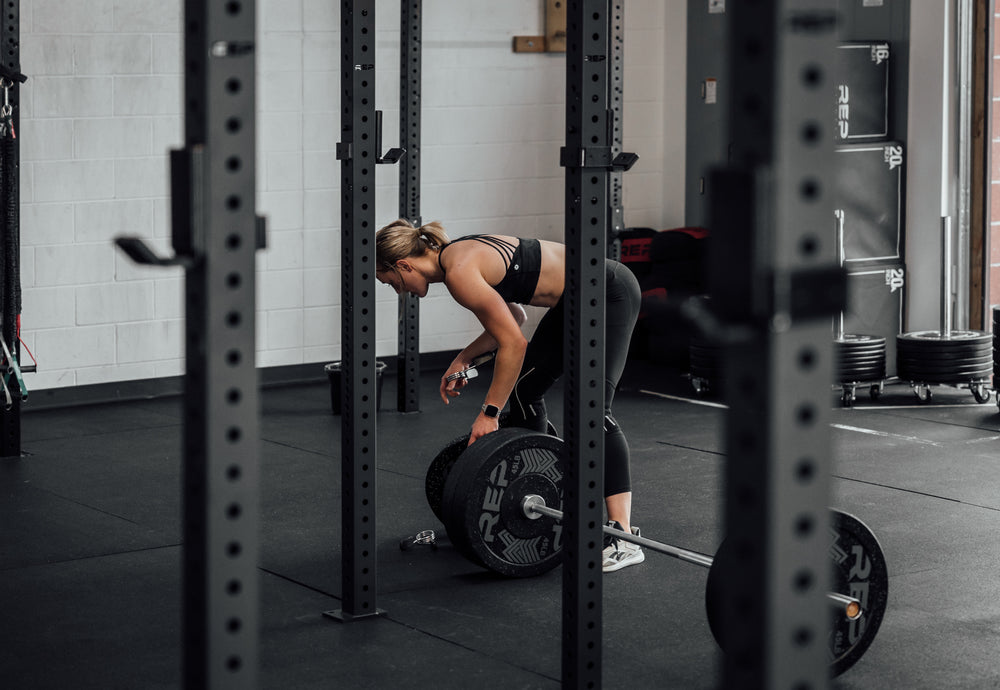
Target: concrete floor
{"points": [[90, 549]]}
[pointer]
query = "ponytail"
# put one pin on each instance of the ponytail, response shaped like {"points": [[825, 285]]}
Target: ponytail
{"points": [[433, 235], [400, 240]]}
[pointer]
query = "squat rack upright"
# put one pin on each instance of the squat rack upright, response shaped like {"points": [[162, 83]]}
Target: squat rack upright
{"points": [[410, 64], [10, 242], [587, 159], [358, 152], [775, 284], [215, 236]]}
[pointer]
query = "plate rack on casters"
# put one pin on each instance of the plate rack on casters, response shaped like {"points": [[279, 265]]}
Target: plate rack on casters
{"points": [[859, 359], [959, 358]]}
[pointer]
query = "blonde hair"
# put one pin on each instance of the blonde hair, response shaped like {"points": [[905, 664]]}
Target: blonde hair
{"points": [[401, 240]]}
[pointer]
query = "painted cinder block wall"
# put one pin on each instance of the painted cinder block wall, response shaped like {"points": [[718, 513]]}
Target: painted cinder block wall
{"points": [[102, 108]]}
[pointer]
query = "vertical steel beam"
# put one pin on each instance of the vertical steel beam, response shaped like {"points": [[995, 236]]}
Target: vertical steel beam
{"points": [[358, 154], [586, 158], [774, 274], [10, 290], [215, 224], [616, 97], [408, 358], [964, 50]]}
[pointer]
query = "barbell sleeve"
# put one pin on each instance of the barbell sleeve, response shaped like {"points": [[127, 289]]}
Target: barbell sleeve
{"points": [[534, 507]]}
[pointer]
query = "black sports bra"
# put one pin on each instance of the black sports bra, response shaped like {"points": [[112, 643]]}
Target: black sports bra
{"points": [[523, 263]]}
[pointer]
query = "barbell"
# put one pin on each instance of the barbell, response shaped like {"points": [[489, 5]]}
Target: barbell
{"points": [[472, 371], [501, 508], [534, 507]]}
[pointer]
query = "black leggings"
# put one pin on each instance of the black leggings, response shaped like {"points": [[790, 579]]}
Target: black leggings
{"points": [[543, 365]]}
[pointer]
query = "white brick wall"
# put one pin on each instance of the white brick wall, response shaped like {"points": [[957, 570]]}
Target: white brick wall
{"points": [[102, 109]]}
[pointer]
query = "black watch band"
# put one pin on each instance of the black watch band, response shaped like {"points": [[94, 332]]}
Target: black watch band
{"points": [[490, 410]]}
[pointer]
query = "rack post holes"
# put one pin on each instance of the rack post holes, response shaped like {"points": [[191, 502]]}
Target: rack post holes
{"points": [[408, 360], [218, 231], [358, 153], [10, 291], [771, 213], [616, 98], [587, 131]]}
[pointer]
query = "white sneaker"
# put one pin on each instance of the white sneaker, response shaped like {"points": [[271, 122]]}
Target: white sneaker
{"points": [[618, 553]]}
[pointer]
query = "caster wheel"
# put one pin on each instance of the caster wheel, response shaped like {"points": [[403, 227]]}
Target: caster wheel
{"points": [[980, 393], [924, 394]]}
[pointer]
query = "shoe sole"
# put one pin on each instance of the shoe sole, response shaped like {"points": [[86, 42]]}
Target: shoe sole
{"points": [[618, 565]]}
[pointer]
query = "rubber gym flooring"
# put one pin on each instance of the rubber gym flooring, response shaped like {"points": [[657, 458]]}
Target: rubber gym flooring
{"points": [[90, 548]]}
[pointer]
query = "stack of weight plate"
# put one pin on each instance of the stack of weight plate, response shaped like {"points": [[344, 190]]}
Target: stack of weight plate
{"points": [[705, 366], [996, 351], [860, 359], [957, 358]]}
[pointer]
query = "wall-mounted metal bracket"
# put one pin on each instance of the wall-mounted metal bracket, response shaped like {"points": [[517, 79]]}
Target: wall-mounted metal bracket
{"points": [[141, 253], [784, 299], [391, 156], [12, 75], [187, 234], [814, 293], [345, 149], [596, 157]]}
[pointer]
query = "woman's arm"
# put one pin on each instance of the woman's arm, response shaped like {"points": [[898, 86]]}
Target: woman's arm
{"points": [[484, 342], [502, 328], [481, 345]]}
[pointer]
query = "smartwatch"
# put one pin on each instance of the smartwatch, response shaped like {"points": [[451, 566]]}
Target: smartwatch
{"points": [[490, 410]]}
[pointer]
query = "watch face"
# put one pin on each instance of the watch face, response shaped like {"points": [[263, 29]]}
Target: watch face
{"points": [[491, 410]]}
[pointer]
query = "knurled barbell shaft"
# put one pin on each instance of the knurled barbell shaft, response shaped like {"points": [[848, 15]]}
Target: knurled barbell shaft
{"points": [[534, 506]]}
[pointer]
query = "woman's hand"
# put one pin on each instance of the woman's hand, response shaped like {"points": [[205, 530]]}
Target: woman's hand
{"points": [[451, 389], [482, 426]]}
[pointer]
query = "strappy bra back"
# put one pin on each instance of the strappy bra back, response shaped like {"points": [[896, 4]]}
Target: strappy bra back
{"points": [[523, 264]]}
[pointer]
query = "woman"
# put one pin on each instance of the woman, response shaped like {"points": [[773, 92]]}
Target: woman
{"points": [[492, 275]]}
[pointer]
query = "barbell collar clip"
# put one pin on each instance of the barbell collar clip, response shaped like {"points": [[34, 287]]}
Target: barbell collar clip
{"points": [[423, 538], [471, 371]]}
